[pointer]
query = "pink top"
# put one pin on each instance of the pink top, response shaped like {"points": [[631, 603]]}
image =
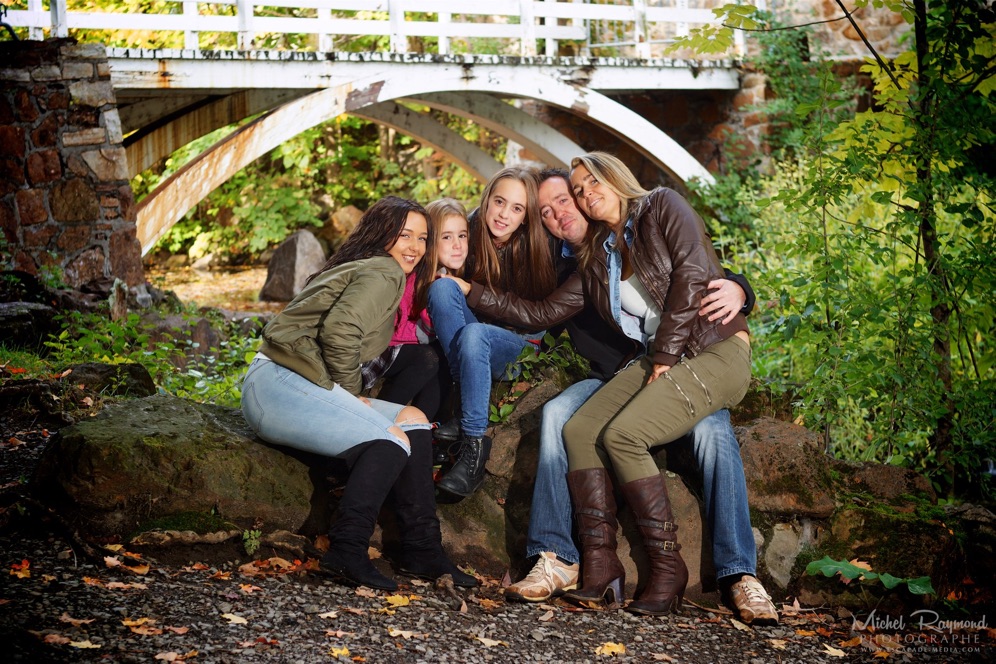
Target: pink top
{"points": [[405, 330]]}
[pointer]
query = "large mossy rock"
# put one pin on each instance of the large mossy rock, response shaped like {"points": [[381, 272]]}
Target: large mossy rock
{"points": [[149, 459]]}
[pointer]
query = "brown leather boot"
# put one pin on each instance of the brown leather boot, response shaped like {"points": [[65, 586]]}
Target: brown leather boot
{"points": [[602, 575], [668, 574]]}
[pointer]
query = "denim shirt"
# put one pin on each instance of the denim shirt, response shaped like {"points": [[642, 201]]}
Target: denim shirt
{"points": [[632, 326]]}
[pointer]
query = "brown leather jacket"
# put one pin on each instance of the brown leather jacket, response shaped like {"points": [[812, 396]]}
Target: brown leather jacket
{"points": [[674, 259]]}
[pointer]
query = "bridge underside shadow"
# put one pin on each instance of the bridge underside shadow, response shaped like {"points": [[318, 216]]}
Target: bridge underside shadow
{"points": [[163, 125]]}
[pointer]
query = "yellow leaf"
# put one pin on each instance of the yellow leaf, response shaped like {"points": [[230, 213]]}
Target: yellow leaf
{"points": [[491, 643], [609, 649], [329, 614], [21, 570], [397, 600], [234, 619], [83, 644], [339, 652], [860, 563], [805, 632], [128, 622], [146, 630], [777, 644], [489, 604], [386, 611], [833, 651], [850, 643], [739, 625], [882, 654], [113, 547], [404, 634]]}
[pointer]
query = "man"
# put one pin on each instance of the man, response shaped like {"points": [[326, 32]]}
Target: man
{"points": [[715, 446]]}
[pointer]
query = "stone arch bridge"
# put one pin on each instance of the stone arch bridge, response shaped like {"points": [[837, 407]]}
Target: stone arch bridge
{"points": [[122, 109]]}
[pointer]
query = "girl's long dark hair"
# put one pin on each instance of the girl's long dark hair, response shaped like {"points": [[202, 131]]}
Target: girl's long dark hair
{"points": [[376, 232], [525, 264]]}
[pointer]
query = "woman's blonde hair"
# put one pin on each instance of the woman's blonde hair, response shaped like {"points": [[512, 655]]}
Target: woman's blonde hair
{"points": [[525, 265], [616, 176]]}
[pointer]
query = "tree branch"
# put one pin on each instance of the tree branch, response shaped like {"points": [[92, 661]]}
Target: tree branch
{"points": [[871, 49]]}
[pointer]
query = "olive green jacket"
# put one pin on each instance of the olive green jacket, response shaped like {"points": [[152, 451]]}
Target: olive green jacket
{"points": [[343, 318]]}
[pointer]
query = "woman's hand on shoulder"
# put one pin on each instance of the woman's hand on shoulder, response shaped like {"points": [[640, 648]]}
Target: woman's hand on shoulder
{"points": [[659, 370], [464, 285], [724, 300]]}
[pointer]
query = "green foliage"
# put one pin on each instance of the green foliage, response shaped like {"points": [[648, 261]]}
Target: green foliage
{"points": [[251, 541], [211, 377], [849, 571], [556, 360], [870, 243]]}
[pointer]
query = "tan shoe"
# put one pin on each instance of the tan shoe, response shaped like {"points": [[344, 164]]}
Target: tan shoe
{"points": [[752, 604], [548, 577]]}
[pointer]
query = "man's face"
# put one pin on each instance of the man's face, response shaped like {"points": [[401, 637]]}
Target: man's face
{"points": [[559, 213]]}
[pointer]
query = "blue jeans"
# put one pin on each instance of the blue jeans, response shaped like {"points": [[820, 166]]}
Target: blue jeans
{"points": [[550, 513], [284, 408], [476, 352], [724, 485]]}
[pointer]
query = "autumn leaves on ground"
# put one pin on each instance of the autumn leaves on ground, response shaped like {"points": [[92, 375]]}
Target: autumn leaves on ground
{"points": [[55, 606]]}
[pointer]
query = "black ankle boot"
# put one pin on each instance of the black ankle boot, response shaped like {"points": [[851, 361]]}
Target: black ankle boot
{"points": [[373, 468], [467, 474], [415, 503], [448, 430]]}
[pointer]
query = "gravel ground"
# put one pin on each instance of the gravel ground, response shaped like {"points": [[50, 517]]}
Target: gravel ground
{"points": [[59, 607]]}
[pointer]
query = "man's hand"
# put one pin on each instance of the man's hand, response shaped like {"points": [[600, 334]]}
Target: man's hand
{"points": [[724, 300], [464, 285]]}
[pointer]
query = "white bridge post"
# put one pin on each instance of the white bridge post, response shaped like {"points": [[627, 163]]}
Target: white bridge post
{"points": [[60, 22], [190, 36], [245, 9]]}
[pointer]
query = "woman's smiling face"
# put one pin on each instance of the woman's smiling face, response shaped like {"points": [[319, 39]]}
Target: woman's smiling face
{"points": [[451, 249], [506, 209], [594, 198], [409, 248]]}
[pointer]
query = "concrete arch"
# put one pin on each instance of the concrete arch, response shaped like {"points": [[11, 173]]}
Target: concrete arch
{"points": [[427, 131], [178, 194]]}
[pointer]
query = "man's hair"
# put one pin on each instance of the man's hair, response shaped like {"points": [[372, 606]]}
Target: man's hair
{"points": [[549, 173]]}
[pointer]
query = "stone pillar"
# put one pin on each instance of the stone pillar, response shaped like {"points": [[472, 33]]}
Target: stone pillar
{"points": [[66, 205]]}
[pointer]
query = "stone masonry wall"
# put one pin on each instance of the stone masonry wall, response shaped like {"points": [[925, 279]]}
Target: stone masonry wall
{"points": [[66, 206]]}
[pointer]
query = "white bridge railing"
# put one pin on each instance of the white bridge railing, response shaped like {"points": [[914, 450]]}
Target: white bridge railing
{"points": [[627, 28]]}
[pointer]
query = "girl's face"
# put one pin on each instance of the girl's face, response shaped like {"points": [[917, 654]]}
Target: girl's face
{"points": [[506, 209], [409, 248], [452, 244], [594, 198]]}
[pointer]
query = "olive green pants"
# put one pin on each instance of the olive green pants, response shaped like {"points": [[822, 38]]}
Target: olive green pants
{"points": [[618, 425]]}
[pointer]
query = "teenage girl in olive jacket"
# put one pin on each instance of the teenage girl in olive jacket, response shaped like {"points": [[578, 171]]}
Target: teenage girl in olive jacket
{"points": [[302, 391]]}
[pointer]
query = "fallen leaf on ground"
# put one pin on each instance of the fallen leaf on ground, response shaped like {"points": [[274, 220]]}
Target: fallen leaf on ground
{"points": [[146, 630], [177, 630], [355, 612], [221, 576], [175, 656], [386, 611], [882, 654], [363, 591], [850, 643], [489, 604], [338, 633], [75, 622], [739, 625], [248, 588], [805, 632], [21, 570], [83, 645], [329, 614], [463, 607], [609, 649], [339, 652], [405, 634], [546, 617], [234, 619], [833, 651], [397, 600], [111, 561], [661, 657], [57, 639], [118, 585], [491, 643], [90, 581], [114, 547], [129, 622], [777, 644]]}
